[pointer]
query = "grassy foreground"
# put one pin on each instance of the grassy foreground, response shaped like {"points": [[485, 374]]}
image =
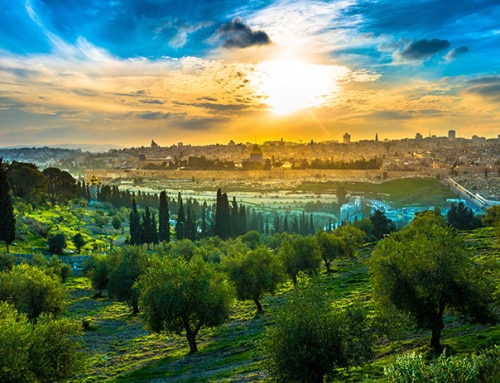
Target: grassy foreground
{"points": [[120, 349]]}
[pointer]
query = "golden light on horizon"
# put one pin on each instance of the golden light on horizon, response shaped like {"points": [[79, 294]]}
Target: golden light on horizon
{"points": [[288, 85]]}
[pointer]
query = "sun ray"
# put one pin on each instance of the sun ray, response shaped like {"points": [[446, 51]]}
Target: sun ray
{"points": [[290, 85]]}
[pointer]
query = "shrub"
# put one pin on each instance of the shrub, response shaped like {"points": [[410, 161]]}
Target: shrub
{"points": [[481, 368]]}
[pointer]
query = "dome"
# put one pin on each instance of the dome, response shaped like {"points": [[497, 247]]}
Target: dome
{"points": [[256, 151]]}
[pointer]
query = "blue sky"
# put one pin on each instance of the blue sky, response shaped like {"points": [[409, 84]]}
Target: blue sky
{"points": [[129, 71]]}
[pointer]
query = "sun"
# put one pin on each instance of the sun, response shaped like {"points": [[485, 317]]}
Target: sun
{"points": [[289, 85]]}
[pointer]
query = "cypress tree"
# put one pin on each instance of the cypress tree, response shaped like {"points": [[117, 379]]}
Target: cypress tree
{"points": [[285, 225], [243, 220], [163, 218], [135, 225], [180, 229], [154, 230], [190, 226], [204, 226], [7, 219], [234, 228], [222, 216]]}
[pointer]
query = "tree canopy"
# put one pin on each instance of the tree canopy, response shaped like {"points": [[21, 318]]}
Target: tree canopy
{"points": [[180, 295], [254, 273], [424, 270]]}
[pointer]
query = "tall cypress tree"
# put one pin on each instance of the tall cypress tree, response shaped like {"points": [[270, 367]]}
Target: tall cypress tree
{"points": [[180, 228], [7, 219], [163, 218], [135, 225], [222, 216], [190, 225], [204, 225]]}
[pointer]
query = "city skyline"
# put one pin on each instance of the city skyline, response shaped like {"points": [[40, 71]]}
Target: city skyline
{"points": [[126, 72]]}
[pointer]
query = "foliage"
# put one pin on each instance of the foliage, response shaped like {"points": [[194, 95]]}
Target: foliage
{"points": [[125, 268], [54, 354], [381, 224], [311, 338], [412, 367], [52, 266], [79, 242], [460, 217], [27, 182], [252, 239], [32, 291], [15, 335], [255, 273], [57, 243], [163, 218], [7, 261], [299, 254], [330, 246], [61, 186], [179, 295], [424, 270], [97, 269], [492, 216], [45, 352], [7, 219]]}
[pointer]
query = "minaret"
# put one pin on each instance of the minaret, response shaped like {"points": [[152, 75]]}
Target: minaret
{"points": [[376, 137]]}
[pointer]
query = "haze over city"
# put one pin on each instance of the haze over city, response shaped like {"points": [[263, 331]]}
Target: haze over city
{"points": [[124, 72]]}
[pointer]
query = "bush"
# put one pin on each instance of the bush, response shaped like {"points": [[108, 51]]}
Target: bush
{"points": [[310, 338], [480, 368], [57, 243], [32, 291], [45, 352]]}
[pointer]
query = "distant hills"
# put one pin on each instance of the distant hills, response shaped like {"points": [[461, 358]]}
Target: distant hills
{"points": [[93, 148]]}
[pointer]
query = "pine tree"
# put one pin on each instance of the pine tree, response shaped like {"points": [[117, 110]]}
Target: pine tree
{"points": [[163, 218], [7, 219]]}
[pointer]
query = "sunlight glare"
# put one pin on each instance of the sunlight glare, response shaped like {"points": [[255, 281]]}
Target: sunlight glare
{"points": [[291, 85]]}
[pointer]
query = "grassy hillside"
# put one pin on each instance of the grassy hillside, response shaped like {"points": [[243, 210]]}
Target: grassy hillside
{"points": [[414, 191], [120, 349]]}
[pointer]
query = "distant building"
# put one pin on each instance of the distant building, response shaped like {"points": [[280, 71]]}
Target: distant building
{"points": [[347, 138], [256, 159], [418, 136], [451, 134]]}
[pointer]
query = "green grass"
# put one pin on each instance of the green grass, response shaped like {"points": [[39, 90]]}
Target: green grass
{"points": [[414, 191]]}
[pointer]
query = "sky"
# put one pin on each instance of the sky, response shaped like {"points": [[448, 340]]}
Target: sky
{"points": [[126, 72]]}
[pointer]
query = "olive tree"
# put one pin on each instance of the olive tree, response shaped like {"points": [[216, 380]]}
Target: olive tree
{"points": [[299, 254], [125, 268], [425, 270], [310, 337], [255, 273], [31, 291], [47, 351], [185, 295]]}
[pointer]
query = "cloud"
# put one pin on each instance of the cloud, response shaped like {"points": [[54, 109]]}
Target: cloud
{"points": [[455, 52], [154, 102], [236, 34], [154, 115], [389, 115], [423, 49], [487, 87]]}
